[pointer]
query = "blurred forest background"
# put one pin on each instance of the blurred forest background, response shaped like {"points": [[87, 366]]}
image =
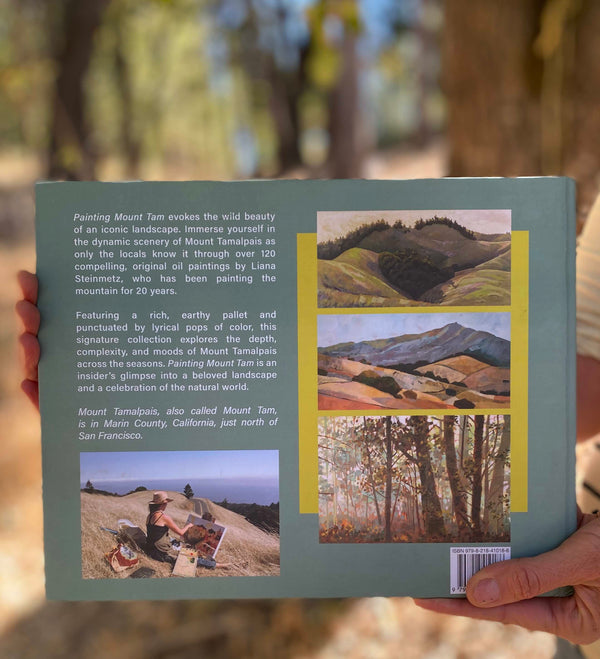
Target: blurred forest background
{"points": [[208, 89]]}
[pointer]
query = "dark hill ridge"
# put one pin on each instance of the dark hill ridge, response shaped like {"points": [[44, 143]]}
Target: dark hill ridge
{"points": [[444, 246], [432, 346]]}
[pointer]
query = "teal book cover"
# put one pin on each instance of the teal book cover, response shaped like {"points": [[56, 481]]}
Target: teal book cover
{"points": [[304, 388]]}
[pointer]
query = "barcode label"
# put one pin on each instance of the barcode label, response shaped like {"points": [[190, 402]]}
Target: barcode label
{"points": [[465, 561]]}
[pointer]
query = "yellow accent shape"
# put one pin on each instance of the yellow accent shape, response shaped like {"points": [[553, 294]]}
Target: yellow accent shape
{"points": [[519, 369], [308, 458], [340, 311], [307, 368]]}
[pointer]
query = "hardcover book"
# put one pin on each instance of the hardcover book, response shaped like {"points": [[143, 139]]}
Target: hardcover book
{"points": [[306, 388]]}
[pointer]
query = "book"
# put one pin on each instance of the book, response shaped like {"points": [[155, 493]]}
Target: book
{"points": [[347, 388]]}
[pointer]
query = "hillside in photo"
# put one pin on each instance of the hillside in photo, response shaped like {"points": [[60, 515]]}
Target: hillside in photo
{"points": [[247, 549], [435, 262], [447, 368]]}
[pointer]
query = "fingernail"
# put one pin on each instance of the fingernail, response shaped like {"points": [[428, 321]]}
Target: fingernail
{"points": [[486, 591]]}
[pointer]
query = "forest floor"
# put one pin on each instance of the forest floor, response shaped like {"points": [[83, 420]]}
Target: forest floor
{"points": [[31, 627]]}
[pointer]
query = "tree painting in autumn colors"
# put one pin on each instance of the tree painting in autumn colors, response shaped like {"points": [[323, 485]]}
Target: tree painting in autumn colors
{"points": [[414, 478]]}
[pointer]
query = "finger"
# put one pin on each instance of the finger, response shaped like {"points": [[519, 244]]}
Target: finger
{"points": [[31, 355], [555, 615], [32, 390], [29, 315], [29, 285], [573, 562]]}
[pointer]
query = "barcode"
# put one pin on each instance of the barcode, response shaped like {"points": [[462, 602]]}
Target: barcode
{"points": [[465, 561]]}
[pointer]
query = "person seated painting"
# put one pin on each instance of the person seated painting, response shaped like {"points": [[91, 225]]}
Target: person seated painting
{"points": [[158, 524]]}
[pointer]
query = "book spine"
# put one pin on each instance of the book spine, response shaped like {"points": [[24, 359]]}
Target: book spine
{"points": [[570, 352]]}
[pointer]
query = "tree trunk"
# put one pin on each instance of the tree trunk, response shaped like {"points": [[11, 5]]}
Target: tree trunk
{"points": [[345, 151], [432, 509], [131, 145], [459, 503], [71, 153], [492, 82], [370, 467], [477, 460], [495, 505], [388, 479], [520, 78]]}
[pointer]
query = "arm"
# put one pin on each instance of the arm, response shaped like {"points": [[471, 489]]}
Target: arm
{"points": [[588, 397], [169, 523]]}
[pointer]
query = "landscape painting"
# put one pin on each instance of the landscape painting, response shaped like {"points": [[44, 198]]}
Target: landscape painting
{"points": [[414, 479], [414, 361], [414, 258]]}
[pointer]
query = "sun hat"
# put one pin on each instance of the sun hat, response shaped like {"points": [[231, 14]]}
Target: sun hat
{"points": [[160, 497]]}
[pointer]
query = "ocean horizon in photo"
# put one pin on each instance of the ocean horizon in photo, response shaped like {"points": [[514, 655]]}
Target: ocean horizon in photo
{"points": [[260, 491]]}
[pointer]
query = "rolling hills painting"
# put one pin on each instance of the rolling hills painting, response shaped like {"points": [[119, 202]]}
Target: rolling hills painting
{"points": [[414, 361], [414, 258]]}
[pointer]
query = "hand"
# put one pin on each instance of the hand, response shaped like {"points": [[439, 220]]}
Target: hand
{"points": [[30, 316], [503, 591]]}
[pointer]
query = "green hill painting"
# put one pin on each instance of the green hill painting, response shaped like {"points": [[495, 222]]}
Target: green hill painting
{"points": [[414, 258]]}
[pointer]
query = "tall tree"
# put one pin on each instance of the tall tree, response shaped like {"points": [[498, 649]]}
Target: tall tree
{"points": [[477, 474], [459, 503], [370, 471], [520, 78], [416, 434], [71, 152], [388, 479], [495, 502]]}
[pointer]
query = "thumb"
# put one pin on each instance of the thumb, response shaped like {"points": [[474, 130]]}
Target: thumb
{"points": [[573, 562]]}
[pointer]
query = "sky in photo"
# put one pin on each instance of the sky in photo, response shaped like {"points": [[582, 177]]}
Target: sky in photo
{"points": [[333, 224], [334, 329], [162, 465]]}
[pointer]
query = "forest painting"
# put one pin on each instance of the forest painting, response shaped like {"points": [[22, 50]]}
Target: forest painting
{"points": [[414, 258], [414, 479]]}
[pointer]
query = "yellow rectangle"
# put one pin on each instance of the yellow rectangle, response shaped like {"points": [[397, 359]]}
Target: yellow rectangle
{"points": [[519, 369], [308, 457]]}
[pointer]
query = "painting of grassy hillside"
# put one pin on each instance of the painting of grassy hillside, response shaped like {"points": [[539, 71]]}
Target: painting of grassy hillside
{"points": [[246, 550], [414, 361], [414, 258]]}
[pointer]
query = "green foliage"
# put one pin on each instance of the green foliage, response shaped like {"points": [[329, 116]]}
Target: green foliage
{"points": [[333, 248], [89, 486], [264, 517], [412, 272], [446, 221], [400, 226], [383, 383], [188, 492]]}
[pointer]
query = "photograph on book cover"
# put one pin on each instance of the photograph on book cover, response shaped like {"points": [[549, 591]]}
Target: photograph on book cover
{"points": [[414, 361], [414, 258], [425, 479], [179, 513]]}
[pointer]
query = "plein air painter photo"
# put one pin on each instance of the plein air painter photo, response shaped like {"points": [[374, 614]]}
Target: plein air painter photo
{"points": [[414, 258], [414, 361], [406, 479], [179, 513]]}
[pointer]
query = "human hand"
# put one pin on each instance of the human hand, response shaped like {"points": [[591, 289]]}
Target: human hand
{"points": [[30, 316], [503, 591]]}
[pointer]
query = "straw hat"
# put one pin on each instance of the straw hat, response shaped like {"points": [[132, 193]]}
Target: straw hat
{"points": [[160, 497]]}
